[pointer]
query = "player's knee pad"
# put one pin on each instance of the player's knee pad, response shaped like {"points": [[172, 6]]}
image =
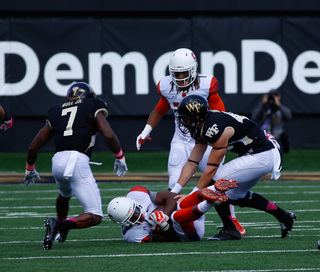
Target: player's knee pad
{"points": [[243, 202]]}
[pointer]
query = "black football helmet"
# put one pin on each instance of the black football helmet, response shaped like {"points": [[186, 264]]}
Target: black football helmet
{"points": [[192, 111], [80, 90]]}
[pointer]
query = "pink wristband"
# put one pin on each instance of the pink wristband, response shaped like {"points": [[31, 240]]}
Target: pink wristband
{"points": [[30, 167], [119, 155]]}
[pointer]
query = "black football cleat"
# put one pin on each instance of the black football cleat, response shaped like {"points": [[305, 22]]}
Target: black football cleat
{"points": [[52, 229], [61, 236], [287, 224], [225, 234]]}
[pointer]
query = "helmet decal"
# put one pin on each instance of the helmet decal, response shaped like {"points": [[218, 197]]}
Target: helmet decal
{"points": [[193, 106], [80, 90], [192, 111]]}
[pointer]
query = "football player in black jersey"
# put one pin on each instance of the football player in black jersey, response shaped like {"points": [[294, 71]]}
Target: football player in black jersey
{"points": [[74, 125], [258, 155]]}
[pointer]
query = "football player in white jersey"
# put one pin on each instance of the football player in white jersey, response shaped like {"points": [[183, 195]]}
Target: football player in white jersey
{"points": [[147, 216], [183, 81]]}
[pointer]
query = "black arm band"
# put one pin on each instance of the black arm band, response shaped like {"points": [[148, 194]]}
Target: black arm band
{"points": [[120, 157], [218, 148], [193, 161], [213, 164]]}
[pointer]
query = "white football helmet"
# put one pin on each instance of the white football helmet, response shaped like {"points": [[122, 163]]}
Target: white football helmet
{"points": [[125, 211], [183, 60]]}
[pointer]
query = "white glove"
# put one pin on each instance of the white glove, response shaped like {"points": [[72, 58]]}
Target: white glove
{"points": [[29, 177], [144, 135], [120, 167], [160, 221]]}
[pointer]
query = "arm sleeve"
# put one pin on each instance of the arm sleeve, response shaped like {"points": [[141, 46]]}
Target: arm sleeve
{"points": [[214, 99], [215, 102], [163, 105], [153, 195]]}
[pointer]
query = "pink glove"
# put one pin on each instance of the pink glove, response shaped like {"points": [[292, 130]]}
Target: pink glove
{"points": [[6, 125]]}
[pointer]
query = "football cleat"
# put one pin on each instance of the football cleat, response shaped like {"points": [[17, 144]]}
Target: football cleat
{"points": [[287, 224], [239, 227], [52, 229], [212, 197], [224, 185], [224, 235]]}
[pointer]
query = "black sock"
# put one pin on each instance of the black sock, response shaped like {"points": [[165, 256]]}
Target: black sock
{"points": [[224, 212], [261, 203], [66, 225]]}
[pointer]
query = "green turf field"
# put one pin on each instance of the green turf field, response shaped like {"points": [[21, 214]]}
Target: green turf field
{"points": [[101, 248], [298, 160]]}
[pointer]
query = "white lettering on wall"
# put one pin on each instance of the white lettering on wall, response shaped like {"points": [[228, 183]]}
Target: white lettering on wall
{"points": [[160, 67], [32, 68], [118, 64], [306, 78], [229, 62], [249, 84], [300, 72], [52, 74]]}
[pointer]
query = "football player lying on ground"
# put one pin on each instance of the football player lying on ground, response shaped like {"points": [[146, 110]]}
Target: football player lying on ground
{"points": [[147, 216]]}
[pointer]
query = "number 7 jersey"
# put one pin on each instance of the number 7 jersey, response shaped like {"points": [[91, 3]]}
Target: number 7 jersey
{"points": [[74, 124]]}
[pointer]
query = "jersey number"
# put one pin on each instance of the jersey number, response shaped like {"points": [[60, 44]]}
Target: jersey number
{"points": [[73, 112]]}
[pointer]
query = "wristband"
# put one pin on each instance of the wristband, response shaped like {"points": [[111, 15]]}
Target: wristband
{"points": [[176, 188], [213, 164], [147, 130], [119, 155], [195, 189], [193, 161], [30, 167]]}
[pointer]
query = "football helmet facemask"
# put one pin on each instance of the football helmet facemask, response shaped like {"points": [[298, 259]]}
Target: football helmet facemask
{"points": [[192, 111], [80, 90], [126, 212], [183, 67]]}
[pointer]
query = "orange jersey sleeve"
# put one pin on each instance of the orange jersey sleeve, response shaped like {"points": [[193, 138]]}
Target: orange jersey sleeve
{"points": [[214, 100], [163, 105], [214, 86]]}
